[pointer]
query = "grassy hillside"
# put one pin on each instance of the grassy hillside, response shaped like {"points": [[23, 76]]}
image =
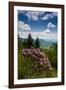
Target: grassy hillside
{"points": [[26, 66]]}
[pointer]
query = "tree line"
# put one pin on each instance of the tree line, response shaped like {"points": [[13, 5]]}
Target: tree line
{"points": [[29, 42]]}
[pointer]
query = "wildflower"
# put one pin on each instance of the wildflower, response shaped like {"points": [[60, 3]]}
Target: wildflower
{"points": [[39, 56]]}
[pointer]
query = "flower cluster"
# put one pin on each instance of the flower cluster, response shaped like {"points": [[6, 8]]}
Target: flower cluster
{"points": [[39, 56]]}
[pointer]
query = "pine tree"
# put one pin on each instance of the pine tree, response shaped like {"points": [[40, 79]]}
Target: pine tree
{"points": [[29, 41], [37, 43]]}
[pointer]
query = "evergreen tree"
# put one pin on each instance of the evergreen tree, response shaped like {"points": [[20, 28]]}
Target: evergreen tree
{"points": [[37, 43], [29, 41]]}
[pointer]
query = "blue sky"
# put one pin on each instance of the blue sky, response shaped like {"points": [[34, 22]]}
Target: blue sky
{"points": [[40, 24]]}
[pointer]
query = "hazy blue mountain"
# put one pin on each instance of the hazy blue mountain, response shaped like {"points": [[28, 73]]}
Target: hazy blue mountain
{"points": [[46, 43]]}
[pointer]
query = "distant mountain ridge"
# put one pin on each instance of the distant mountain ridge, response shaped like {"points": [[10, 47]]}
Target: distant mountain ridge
{"points": [[46, 43]]}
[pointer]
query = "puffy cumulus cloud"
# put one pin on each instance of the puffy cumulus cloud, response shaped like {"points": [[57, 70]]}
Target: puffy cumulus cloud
{"points": [[50, 25], [47, 31], [49, 16], [45, 17], [23, 26], [34, 15]]}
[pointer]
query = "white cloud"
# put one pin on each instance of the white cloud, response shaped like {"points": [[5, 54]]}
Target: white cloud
{"points": [[47, 31], [45, 17], [41, 35], [50, 25], [23, 26], [34, 15], [49, 16]]}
